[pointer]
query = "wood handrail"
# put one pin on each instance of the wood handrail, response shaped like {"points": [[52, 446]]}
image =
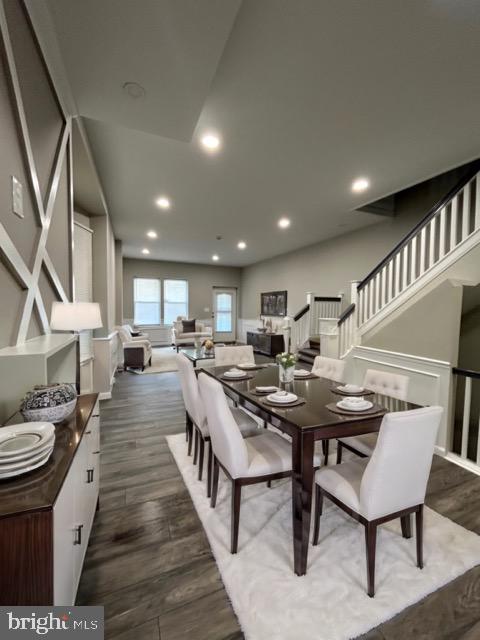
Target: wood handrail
{"points": [[466, 373], [471, 172], [301, 313], [348, 312], [327, 299]]}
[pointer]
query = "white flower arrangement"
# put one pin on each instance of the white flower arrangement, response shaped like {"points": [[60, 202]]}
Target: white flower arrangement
{"points": [[286, 359]]}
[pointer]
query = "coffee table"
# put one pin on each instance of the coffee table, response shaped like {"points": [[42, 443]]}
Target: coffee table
{"points": [[194, 355]]}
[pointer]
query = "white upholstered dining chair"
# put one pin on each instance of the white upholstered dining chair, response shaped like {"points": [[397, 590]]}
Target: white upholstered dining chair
{"points": [[330, 368], [261, 458], [393, 385], [234, 355], [389, 485], [196, 425]]}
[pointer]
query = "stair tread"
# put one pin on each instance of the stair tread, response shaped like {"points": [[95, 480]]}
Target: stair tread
{"points": [[309, 351]]}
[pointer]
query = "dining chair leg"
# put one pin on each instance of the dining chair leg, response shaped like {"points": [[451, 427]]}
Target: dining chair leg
{"points": [[201, 455], [195, 449], [318, 513], [371, 545], [269, 484], [209, 470], [190, 435], [235, 515], [339, 452], [325, 449], [406, 526], [213, 499], [187, 427], [419, 535]]}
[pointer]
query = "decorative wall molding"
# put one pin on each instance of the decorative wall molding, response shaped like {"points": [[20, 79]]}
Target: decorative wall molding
{"points": [[29, 279]]}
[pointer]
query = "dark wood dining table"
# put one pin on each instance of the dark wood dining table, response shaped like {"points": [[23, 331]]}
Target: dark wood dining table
{"points": [[305, 424]]}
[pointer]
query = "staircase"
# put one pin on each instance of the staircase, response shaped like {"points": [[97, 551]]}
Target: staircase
{"points": [[449, 231], [309, 352]]}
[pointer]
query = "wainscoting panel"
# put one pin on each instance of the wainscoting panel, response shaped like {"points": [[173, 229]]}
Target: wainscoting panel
{"points": [[430, 380]]}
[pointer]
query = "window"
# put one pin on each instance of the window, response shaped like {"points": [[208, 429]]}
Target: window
{"points": [[175, 300], [146, 299], [223, 316]]}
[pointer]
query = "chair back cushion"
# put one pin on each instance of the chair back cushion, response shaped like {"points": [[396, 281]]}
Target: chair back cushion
{"points": [[329, 368], [188, 326], [190, 391], [388, 384], [123, 334], [227, 441], [397, 474], [234, 355]]}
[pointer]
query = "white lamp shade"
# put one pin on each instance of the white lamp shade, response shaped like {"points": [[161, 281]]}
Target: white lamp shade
{"points": [[75, 316]]}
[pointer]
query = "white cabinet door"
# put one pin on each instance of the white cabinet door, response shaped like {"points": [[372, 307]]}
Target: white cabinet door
{"points": [[63, 544], [81, 508]]}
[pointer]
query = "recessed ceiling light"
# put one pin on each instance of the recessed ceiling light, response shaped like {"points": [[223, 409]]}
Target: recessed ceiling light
{"points": [[284, 223], [210, 141], [163, 202], [146, 251], [215, 258], [360, 184], [152, 234], [242, 245]]}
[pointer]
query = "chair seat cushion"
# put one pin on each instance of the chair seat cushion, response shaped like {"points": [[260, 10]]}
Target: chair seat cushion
{"points": [[270, 453], [365, 443], [342, 481]]}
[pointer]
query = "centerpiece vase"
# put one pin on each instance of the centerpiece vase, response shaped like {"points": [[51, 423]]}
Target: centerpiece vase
{"points": [[286, 374]]}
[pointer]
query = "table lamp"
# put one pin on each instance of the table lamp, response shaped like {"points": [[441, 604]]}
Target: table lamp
{"points": [[76, 317]]}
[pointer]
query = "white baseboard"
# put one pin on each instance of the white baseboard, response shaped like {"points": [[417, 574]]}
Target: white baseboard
{"points": [[105, 395]]}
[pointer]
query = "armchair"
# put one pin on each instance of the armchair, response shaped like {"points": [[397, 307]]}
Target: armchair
{"points": [[137, 350], [179, 338]]}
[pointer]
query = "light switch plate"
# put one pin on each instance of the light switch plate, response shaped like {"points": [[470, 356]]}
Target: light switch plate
{"points": [[17, 197]]}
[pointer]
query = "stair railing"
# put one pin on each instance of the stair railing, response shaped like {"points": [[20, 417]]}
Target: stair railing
{"points": [[300, 328], [346, 330], [324, 307], [446, 226], [465, 440]]}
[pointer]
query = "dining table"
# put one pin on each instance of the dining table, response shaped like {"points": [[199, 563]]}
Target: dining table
{"points": [[315, 417]]}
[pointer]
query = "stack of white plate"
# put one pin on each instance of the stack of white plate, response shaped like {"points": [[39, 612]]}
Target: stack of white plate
{"points": [[235, 373], [355, 403], [282, 397], [24, 447], [302, 373]]}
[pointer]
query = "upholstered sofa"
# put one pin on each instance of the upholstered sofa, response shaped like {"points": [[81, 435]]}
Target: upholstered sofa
{"points": [[137, 350], [179, 337]]}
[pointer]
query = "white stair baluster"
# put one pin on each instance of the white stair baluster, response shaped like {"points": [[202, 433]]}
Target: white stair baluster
{"points": [[397, 274], [453, 223], [466, 212], [431, 252], [413, 259], [377, 292], [423, 246], [390, 281], [477, 201], [405, 267], [441, 244]]}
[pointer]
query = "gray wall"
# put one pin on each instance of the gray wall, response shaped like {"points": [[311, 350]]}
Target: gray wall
{"points": [[328, 267], [44, 122], [103, 247], [201, 278]]}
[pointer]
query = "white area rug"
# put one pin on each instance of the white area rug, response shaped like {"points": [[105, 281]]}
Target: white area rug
{"points": [[330, 602]]}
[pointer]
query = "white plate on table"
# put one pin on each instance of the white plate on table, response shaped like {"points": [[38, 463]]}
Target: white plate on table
{"points": [[17, 472], [234, 373], [301, 373], [270, 389], [18, 439], [247, 365], [357, 406], [282, 398], [351, 388]]}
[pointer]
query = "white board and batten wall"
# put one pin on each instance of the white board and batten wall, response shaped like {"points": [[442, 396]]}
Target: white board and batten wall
{"points": [[430, 380]]}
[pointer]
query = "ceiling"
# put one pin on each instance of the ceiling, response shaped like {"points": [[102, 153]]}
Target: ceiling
{"points": [[307, 95]]}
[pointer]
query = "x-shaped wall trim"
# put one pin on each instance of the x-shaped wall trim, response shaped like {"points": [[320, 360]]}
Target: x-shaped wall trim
{"points": [[29, 279]]}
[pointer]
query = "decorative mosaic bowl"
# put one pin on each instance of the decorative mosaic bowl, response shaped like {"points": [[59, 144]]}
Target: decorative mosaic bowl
{"points": [[49, 403]]}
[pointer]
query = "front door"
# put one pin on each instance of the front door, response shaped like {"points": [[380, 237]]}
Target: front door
{"points": [[224, 314]]}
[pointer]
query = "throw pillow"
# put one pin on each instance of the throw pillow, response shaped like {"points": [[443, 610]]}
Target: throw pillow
{"points": [[188, 326]]}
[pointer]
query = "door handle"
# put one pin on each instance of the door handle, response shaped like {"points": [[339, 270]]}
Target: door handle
{"points": [[78, 532], [90, 475]]}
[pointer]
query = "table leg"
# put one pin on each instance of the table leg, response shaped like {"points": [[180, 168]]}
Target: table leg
{"points": [[302, 486]]}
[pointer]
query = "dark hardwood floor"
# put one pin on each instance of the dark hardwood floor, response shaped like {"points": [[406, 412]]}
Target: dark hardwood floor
{"points": [[149, 562]]}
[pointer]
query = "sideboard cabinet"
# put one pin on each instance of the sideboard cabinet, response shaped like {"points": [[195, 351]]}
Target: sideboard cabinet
{"points": [[46, 515], [269, 344]]}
